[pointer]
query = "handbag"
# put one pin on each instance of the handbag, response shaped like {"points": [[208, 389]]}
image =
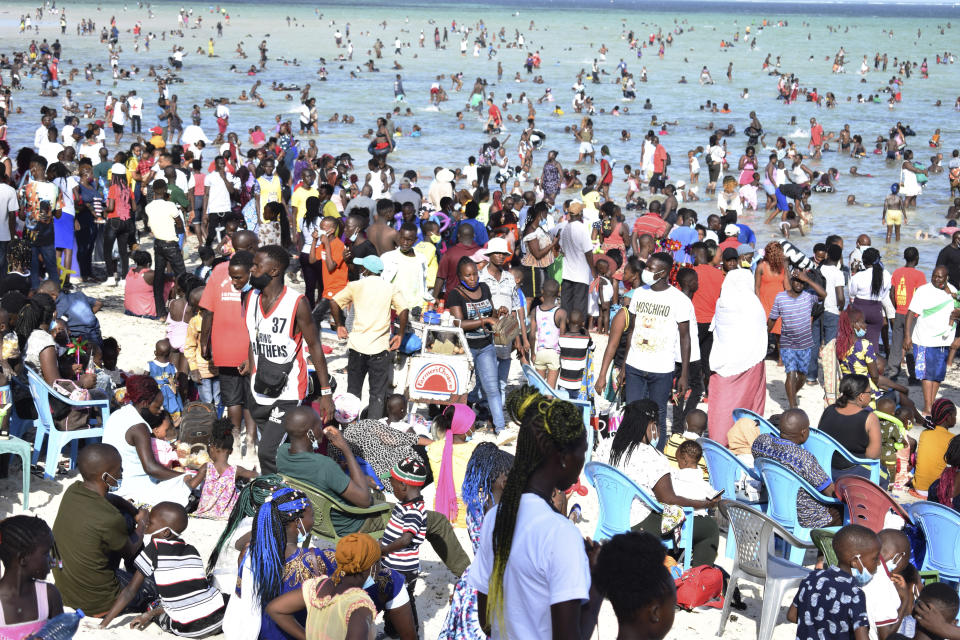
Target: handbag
{"points": [[270, 377]]}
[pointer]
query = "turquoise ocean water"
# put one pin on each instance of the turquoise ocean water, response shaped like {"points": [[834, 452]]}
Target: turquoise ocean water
{"points": [[568, 36]]}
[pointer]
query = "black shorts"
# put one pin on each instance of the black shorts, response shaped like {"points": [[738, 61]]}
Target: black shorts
{"points": [[117, 128], [532, 285], [234, 388]]}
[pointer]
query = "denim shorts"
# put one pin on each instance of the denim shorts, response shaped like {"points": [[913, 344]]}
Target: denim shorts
{"points": [[796, 359], [931, 362]]}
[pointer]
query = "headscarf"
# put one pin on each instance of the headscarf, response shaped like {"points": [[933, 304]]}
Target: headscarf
{"points": [[355, 554], [739, 326], [461, 422]]}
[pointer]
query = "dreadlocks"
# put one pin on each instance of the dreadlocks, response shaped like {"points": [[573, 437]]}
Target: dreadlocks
{"points": [[251, 497], [544, 422], [20, 535], [486, 464], [269, 540]]}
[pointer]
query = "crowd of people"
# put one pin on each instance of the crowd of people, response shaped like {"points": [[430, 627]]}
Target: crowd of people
{"points": [[261, 254]]}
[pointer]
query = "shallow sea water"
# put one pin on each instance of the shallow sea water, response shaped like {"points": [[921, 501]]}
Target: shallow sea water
{"points": [[568, 37]]}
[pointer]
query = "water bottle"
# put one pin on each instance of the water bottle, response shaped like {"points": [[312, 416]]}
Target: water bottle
{"points": [[62, 627]]}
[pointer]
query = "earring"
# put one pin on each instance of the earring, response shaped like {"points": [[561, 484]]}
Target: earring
{"points": [[563, 465]]}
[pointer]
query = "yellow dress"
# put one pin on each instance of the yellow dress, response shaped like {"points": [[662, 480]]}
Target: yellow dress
{"points": [[328, 617]]}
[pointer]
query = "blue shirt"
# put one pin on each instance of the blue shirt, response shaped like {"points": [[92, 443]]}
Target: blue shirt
{"points": [[78, 307], [797, 331], [830, 606], [746, 235], [480, 236], [686, 236]]}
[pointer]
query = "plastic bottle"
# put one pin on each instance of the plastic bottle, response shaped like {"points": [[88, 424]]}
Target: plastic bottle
{"points": [[62, 627]]}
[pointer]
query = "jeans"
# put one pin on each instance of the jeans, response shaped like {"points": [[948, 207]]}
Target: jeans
{"points": [[706, 536], [379, 366], [3, 257], [695, 384], [145, 595], [214, 220], [209, 391], [49, 255], [86, 242], [135, 124], [646, 385], [896, 349], [824, 330], [503, 372], [483, 176], [116, 231], [486, 369], [165, 252]]}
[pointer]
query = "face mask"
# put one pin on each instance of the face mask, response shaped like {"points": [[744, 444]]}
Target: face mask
{"points": [[353, 238], [246, 287], [861, 575], [892, 563], [148, 538], [655, 440], [860, 332], [648, 277], [468, 287], [111, 488], [302, 534], [260, 282], [368, 582]]}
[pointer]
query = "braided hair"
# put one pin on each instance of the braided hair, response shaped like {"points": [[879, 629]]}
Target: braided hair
{"points": [[941, 410], [19, 536], [251, 497], [637, 417], [269, 540], [486, 464], [544, 422]]}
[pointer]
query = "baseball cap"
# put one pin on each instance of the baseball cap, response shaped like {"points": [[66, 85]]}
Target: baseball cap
{"points": [[731, 230], [730, 254], [745, 249], [157, 131], [497, 245], [373, 264]]}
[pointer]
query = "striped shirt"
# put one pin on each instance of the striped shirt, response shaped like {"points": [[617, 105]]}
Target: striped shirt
{"points": [[195, 607], [406, 517], [573, 359], [797, 331]]}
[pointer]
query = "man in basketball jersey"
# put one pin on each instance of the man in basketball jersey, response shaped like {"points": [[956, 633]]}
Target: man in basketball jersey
{"points": [[279, 322]]}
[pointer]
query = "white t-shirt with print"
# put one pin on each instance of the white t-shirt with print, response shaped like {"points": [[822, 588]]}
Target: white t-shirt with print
{"points": [[655, 333], [933, 307], [547, 566]]}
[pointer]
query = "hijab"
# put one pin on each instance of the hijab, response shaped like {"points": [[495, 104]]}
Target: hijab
{"points": [[739, 326]]}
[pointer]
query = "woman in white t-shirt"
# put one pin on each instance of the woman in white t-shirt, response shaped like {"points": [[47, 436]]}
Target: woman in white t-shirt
{"points": [[870, 292], [540, 571], [633, 450], [312, 273]]}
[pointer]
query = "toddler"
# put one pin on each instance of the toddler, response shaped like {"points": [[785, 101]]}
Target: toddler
{"points": [[202, 371], [177, 569], [407, 529], [163, 371], [695, 424], [268, 231], [548, 322], [893, 436], [219, 492], [687, 478], [575, 344]]}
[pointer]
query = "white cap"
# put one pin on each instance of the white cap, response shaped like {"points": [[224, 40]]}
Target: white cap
{"points": [[497, 245], [118, 169], [731, 230], [681, 184]]}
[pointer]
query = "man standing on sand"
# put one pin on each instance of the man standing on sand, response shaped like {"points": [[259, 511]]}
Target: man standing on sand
{"points": [[904, 282], [929, 332], [577, 250]]}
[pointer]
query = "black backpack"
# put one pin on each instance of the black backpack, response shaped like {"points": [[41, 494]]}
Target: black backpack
{"points": [[196, 425], [817, 277]]}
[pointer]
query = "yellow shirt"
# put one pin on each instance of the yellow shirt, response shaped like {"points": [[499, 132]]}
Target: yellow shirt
{"points": [[930, 463], [461, 456], [270, 191], [298, 200], [372, 298], [428, 251], [132, 164], [330, 209], [590, 200]]}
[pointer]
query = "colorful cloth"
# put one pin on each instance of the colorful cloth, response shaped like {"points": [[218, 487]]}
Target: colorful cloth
{"points": [[219, 493], [810, 513], [463, 618]]}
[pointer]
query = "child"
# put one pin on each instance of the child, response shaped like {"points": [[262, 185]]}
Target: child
{"points": [[633, 183], [207, 256], [694, 163], [407, 529], [327, 248], [25, 546], [549, 321], [202, 371], [644, 608], [163, 450], [892, 435], [268, 232], [696, 424], [190, 605], [602, 295], [163, 371], [895, 551], [574, 345], [395, 407], [936, 612], [687, 478], [843, 616], [219, 492]]}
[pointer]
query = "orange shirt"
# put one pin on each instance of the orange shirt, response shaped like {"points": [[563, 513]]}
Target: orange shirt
{"points": [[333, 281]]}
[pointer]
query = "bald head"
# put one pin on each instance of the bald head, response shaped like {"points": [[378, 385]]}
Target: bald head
{"points": [[893, 542], [50, 287], [795, 426], [245, 241], [297, 421], [465, 234], [863, 240], [96, 459]]}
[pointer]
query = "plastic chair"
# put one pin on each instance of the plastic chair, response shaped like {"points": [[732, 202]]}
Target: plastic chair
{"points": [[18, 447], [536, 381], [782, 485], [823, 446], [940, 525], [757, 563], [765, 425], [324, 505], [823, 538], [615, 493], [56, 439], [867, 504], [725, 471]]}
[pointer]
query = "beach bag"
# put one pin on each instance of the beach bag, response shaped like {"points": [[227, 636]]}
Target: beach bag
{"points": [[196, 423], [70, 389], [700, 587]]}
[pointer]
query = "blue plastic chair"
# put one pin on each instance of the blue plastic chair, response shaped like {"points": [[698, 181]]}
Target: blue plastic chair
{"points": [[823, 446], [15, 446], [615, 493], [536, 381], [765, 425], [940, 525], [726, 470], [782, 485], [56, 439]]}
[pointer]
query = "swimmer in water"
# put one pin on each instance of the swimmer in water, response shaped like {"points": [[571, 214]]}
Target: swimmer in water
{"points": [[854, 173]]}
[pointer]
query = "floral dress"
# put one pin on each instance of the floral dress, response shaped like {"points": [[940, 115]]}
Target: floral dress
{"points": [[463, 618], [219, 493]]}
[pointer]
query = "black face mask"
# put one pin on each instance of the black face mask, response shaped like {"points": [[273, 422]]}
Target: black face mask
{"points": [[153, 420], [260, 282]]}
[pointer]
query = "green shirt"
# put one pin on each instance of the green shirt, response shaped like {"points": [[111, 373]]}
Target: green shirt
{"points": [[178, 197], [88, 529], [323, 473]]}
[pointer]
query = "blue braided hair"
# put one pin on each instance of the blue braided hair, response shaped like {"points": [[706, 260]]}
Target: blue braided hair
{"points": [[486, 464], [269, 540]]}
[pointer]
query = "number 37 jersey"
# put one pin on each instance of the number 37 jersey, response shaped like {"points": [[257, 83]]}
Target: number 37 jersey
{"points": [[273, 336]]}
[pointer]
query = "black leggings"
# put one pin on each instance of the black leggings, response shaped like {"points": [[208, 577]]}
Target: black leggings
{"points": [[116, 231], [483, 176]]}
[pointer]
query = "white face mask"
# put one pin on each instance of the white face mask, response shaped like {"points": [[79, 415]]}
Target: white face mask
{"points": [[148, 538], [892, 563], [649, 277]]}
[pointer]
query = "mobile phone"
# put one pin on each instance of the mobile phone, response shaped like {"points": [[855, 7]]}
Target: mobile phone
{"points": [[716, 495]]}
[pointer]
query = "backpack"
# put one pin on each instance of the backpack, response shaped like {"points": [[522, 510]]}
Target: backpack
{"points": [[700, 587], [819, 279], [196, 425]]}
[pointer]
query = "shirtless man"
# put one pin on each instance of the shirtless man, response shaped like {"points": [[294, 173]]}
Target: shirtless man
{"points": [[382, 233]]}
